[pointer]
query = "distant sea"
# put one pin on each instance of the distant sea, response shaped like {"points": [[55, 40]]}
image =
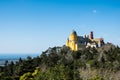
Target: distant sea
{"points": [[15, 57]]}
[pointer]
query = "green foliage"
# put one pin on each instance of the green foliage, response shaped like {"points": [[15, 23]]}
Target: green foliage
{"points": [[26, 76], [97, 78], [35, 71], [61, 63], [59, 72]]}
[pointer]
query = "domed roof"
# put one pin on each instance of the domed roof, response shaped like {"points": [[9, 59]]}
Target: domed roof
{"points": [[74, 33]]}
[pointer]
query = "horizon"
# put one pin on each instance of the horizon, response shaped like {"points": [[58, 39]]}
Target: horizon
{"points": [[32, 26]]}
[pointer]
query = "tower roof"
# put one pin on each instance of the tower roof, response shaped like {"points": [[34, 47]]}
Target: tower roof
{"points": [[74, 32], [73, 36]]}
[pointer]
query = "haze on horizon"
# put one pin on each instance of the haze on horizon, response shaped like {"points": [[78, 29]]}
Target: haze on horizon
{"points": [[32, 26]]}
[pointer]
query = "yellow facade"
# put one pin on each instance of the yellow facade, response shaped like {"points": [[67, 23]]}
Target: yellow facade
{"points": [[72, 41], [75, 42]]}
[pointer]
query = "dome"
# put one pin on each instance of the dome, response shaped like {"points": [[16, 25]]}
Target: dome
{"points": [[74, 32], [73, 35]]}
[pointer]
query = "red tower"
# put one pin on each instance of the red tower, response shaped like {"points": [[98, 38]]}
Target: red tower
{"points": [[91, 35]]}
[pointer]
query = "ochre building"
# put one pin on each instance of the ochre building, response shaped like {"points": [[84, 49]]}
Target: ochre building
{"points": [[76, 42]]}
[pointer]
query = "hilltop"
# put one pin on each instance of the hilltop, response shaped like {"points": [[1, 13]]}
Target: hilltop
{"points": [[62, 63]]}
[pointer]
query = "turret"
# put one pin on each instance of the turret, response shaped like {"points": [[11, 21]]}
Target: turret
{"points": [[67, 43], [73, 36], [91, 35]]}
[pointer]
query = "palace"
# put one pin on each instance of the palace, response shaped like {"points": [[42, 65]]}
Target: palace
{"points": [[76, 42]]}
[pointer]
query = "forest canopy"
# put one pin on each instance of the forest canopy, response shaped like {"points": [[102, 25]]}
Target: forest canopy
{"points": [[62, 63]]}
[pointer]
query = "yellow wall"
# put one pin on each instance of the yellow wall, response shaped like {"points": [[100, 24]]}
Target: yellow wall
{"points": [[72, 42], [73, 39]]}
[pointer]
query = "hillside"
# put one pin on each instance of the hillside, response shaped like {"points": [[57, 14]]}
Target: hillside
{"points": [[61, 63]]}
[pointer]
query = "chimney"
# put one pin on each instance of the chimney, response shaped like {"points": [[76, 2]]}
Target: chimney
{"points": [[91, 35]]}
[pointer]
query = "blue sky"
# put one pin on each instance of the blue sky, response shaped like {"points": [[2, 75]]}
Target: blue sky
{"points": [[32, 26]]}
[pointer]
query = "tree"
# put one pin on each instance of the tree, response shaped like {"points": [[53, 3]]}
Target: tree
{"points": [[59, 72], [26, 76]]}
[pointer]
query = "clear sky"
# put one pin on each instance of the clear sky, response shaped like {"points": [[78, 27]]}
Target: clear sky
{"points": [[32, 26]]}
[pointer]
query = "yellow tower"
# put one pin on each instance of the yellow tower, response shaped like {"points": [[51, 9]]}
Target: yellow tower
{"points": [[72, 41]]}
